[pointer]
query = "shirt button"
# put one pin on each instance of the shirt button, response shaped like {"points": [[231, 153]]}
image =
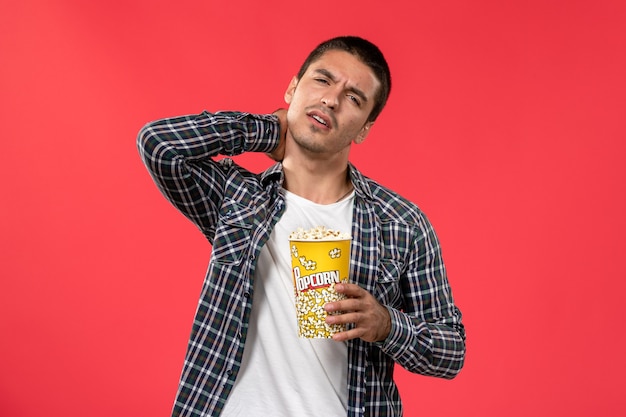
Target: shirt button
{"points": [[229, 372], [246, 294]]}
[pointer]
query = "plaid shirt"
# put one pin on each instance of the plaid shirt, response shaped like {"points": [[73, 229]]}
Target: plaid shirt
{"points": [[395, 256]]}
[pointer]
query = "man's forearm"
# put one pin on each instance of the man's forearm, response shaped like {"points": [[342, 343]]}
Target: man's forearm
{"points": [[206, 135]]}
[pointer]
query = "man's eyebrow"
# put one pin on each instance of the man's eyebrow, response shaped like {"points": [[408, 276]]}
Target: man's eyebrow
{"points": [[329, 75]]}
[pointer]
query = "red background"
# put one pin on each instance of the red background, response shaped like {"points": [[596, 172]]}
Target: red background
{"points": [[505, 124]]}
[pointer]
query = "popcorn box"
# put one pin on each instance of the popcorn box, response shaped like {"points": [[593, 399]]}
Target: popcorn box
{"points": [[318, 262]]}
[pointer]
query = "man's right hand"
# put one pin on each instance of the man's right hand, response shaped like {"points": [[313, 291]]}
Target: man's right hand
{"points": [[279, 153]]}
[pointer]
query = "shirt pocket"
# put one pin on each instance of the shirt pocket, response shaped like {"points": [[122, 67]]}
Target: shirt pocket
{"points": [[388, 282], [232, 235]]}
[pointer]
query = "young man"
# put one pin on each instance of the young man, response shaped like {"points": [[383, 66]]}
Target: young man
{"points": [[244, 357]]}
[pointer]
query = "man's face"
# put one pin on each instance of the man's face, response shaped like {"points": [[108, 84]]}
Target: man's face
{"points": [[330, 104]]}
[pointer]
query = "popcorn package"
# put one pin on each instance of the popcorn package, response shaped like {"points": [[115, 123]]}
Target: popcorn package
{"points": [[320, 258]]}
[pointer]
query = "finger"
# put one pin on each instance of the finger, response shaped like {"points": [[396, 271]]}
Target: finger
{"points": [[348, 334], [345, 318], [349, 304], [351, 290]]}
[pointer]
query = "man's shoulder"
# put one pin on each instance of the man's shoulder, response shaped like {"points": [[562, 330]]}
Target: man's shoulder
{"points": [[387, 198], [233, 166], [389, 204], [242, 184]]}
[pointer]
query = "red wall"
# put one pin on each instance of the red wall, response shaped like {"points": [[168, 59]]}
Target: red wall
{"points": [[505, 124]]}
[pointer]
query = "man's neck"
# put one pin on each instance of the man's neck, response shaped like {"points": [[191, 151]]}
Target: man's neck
{"points": [[319, 182]]}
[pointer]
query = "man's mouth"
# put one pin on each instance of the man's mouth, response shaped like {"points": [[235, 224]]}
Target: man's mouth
{"points": [[319, 119]]}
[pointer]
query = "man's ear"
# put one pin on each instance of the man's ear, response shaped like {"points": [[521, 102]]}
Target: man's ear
{"points": [[363, 133], [291, 90]]}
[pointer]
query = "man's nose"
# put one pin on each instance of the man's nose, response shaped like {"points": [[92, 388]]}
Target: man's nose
{"points": [[331, 99]]}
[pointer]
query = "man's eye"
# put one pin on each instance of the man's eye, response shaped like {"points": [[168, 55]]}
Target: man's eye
{"points": [[321, 80], [355, 99]]}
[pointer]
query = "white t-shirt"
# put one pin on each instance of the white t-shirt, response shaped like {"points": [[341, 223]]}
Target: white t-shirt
{"points": [[282, 374]]}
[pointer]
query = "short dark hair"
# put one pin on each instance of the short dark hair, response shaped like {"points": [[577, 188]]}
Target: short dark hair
{"points": [[368, 53]]}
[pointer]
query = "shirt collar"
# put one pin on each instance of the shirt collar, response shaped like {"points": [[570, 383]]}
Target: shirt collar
{"points": [[360, 183], [273, 174]]}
